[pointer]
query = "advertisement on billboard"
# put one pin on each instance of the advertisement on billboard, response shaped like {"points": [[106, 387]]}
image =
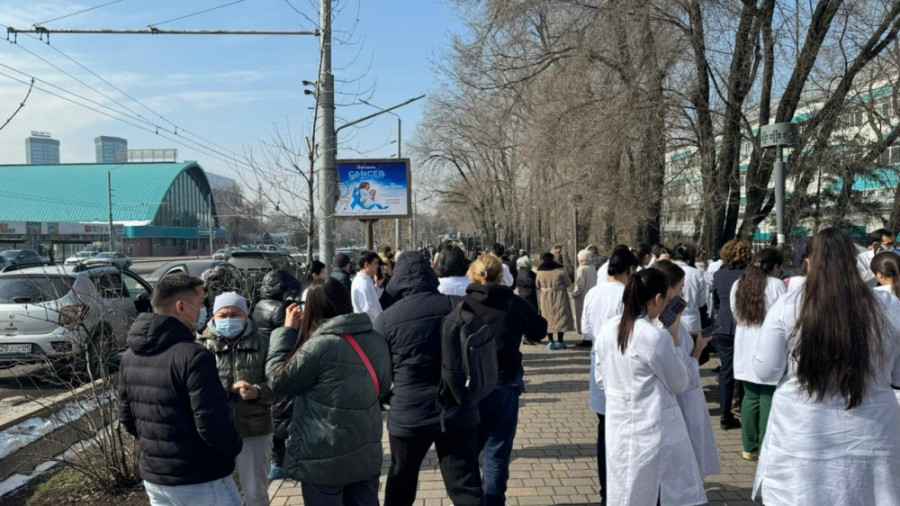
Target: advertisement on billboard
{"points": [[373, 189]]}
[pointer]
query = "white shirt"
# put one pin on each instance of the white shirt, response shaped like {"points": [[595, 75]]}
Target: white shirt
{"points": [[365, 295], [601, 304], [818, 452], [864, 262], [507, 276], [695, 293], [795, 283], [746, 336], [603, 271], [453, 285]]}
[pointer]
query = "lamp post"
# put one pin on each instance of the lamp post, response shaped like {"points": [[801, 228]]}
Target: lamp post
{"points": [[779, 135], [399, 155], [576, 199]]}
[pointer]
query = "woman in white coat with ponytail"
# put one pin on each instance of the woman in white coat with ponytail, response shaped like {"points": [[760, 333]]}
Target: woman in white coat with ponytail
{"points": [[643, 369]]}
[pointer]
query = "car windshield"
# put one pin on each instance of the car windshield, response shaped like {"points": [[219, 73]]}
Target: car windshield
{"points": [[104, 255], [31, 289], [83, 254], [10, 253]]}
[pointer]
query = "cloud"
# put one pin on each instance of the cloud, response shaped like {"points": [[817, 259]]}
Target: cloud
{"points": [[213, 99], [228, 77]]}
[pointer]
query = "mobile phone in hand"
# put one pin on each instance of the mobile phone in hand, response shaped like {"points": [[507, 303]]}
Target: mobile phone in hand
{"points": [[671, 312]]}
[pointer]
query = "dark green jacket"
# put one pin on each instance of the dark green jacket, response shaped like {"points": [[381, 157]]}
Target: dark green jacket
{"points": [[336, 433], [244, 359]]}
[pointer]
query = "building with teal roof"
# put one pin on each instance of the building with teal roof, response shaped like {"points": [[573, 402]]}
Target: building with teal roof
{"points": [[158, 209]]}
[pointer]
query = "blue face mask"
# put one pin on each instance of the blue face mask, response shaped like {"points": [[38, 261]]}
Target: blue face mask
{"points": [[229, 327]]}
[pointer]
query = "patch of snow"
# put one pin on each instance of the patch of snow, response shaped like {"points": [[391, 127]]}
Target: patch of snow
{"points": [[17, 480], [21, 435]]}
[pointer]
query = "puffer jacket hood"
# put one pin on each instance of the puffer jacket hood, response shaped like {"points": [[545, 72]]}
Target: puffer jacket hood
{"points": [[412, 274], [151, 334], [279, 285]]}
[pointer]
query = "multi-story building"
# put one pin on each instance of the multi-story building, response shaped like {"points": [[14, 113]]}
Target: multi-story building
{"points": [[683, 201], [152, 155], [111, 149], [40, 149]]}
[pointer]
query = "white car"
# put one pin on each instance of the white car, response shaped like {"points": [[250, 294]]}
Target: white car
{"points": [[120, 260], [80, 257], [59, 313]]}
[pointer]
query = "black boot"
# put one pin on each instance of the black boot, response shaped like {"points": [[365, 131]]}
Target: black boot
{"points": [[729, 422]]}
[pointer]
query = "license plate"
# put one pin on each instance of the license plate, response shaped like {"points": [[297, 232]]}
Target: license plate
{"points": [[15, 348]]}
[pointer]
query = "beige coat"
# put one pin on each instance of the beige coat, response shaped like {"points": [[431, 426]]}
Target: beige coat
{"points": [[554, 301], [585, 279]]}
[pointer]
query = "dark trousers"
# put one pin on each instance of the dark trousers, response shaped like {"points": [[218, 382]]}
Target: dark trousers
{"points": [[361, 493], [457, 455], [499, 419], [601, 455], [725, 344], [278, 451]]}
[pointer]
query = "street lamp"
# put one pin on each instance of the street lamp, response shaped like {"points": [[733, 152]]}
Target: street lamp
{"points": [[779, 136], [399, 154]]}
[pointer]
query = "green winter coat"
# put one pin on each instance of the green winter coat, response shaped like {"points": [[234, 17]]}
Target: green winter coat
{"points": [[244, 359], [336, 434]]}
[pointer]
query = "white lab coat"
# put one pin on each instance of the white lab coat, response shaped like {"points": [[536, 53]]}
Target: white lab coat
{"points": [[745, 336], [863, 264], [795, 283], [603, 272], [695, 411], [454, 285], [507, 277], [818, 453], [601, 304], [708, 276], [365, 294], [645, 430], [696, 292]]}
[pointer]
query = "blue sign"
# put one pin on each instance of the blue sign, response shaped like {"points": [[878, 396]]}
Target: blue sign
{"points": [[373, 189]]}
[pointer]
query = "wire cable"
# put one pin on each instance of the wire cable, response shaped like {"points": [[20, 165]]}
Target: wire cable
{"points": [[195, 13], [76, 13]]}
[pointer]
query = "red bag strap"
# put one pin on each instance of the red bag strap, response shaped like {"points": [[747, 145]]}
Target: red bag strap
{"points": [[365, 360]]}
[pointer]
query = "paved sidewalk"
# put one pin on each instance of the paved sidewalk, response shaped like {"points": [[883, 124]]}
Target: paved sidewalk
{"points": [[554, 459]]}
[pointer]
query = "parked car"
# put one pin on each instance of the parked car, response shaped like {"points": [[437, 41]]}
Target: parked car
{"points": [[80, 257], [222, 254], [255, 264], [120, 260], [189, 267], [19, 258], [68, 314]]}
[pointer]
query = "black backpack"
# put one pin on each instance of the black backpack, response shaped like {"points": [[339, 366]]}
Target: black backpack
{"points": [[468, 359]]}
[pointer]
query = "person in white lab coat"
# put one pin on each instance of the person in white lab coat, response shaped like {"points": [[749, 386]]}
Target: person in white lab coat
{"points": [[693, 401], [886, 266], [696, 290], [879, 240], [643, 368], [365, 289], [644, 254], [831, 441], [497, 251], [751, 296], [602, 303]]}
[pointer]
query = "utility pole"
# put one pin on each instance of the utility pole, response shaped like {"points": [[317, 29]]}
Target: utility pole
{"points": [[399, 148], [112, 237], [327, 134], [209, 219]]}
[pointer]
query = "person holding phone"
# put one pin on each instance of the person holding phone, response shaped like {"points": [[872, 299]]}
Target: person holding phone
{"points": [[338, 369], [601, 304], [643, 369], [693, 401], [751, 298]]}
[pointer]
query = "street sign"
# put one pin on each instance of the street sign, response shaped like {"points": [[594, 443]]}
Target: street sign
{"points": [[779, 134], [373, 189]]}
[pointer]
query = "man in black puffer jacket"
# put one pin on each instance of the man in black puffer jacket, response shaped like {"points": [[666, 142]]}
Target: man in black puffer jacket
{"points": [[412, 328], [171, 399], [278, 290]]}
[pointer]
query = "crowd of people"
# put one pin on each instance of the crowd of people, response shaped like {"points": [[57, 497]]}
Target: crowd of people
{"points": [[296, 384]]}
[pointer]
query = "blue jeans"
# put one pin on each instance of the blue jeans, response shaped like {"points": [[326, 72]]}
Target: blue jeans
{"points": [[221, 492], [499, 418]]}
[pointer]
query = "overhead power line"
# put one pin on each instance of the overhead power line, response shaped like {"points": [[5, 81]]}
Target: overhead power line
{"points": [[42, 30], [82, 11], [151, 25]]}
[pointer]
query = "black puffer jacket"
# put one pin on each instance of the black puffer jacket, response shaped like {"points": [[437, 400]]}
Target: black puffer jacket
{"points": [[412, 328], [510, 317], [526, 282], [171, 399], [343, 277], [278, 288]]}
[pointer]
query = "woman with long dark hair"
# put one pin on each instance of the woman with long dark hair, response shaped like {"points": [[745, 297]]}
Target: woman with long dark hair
{"points": [[695, 289], [834, 350], [693, 401], [886, 267], [316, 271], [643, 369], [751, 297], [338, 369]]}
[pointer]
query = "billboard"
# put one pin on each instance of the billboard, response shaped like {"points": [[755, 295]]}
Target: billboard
{"points": [[373, 189]]}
